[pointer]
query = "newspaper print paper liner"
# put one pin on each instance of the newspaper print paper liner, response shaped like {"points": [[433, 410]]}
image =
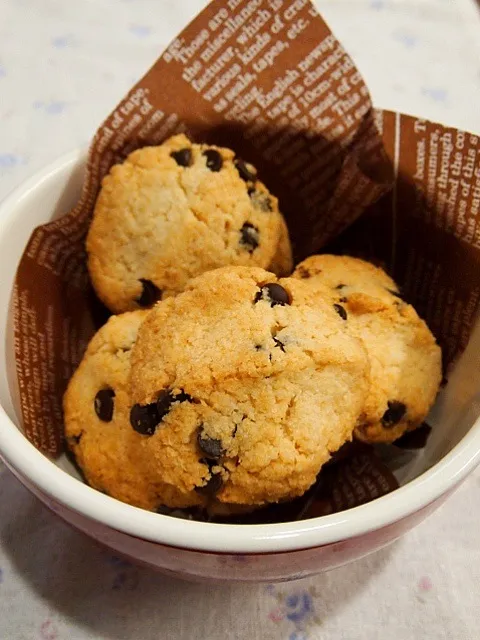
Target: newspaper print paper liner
{"points": [[268, 79]]}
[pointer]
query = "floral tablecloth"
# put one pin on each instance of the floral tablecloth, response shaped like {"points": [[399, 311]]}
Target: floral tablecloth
{"points": [[63, 66]]}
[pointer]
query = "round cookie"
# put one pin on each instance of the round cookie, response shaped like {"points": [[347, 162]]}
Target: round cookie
{"points": [[96, 412], [242, 386], [404, 357], [171, 212]]}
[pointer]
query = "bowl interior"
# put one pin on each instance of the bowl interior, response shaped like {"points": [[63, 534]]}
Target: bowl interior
{"points": [[53, 192]]}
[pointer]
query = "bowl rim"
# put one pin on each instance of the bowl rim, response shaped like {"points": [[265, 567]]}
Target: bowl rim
{"points": [[73, 494]]}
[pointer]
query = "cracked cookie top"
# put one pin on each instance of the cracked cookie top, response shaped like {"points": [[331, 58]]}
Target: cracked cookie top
{"points": [[242, 386], [171, 212]]}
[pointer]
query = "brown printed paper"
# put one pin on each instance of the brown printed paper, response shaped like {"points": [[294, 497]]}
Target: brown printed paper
{"points": [[426, 230], [268, 79]]}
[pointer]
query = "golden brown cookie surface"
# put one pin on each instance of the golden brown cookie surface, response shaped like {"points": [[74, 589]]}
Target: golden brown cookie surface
{"points": [[171, 212], [242, 387], [405, 359], [97, 408]]}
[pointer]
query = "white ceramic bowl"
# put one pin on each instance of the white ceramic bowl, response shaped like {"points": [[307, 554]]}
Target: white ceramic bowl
{"points": [[213, 551]]}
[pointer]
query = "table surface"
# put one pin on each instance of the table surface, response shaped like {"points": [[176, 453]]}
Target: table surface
{"points": [[63, 66]]}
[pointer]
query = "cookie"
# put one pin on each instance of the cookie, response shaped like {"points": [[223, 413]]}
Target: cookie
{"points": [[171, 212], [404, 357], [96, 412], [242, 387]]}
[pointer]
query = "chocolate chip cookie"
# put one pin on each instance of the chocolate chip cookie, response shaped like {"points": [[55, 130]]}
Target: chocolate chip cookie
{"points": [[405, 359], [171, 212], [97, 417], [242, 387]]}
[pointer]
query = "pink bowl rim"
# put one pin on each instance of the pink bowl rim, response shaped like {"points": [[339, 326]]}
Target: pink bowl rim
{"points": [[72, 494]]}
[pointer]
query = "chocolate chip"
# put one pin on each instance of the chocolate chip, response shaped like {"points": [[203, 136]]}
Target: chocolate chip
{"points": [[214, 159], [343, 299], [183, 157], [249, 237], [103, 404], [273, 293], [244, 171], [182, 397], [302, 272], [166, 398], [260, 200], [340, 286], [416, 439], [211, 447], [280, 344], [164, 402], [341, 311], [265, 203], [150, 293], [395, 412], [213, 486], [145, 418]]}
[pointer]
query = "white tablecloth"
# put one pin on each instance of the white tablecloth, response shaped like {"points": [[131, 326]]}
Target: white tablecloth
{"points": [[63, 66]]}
